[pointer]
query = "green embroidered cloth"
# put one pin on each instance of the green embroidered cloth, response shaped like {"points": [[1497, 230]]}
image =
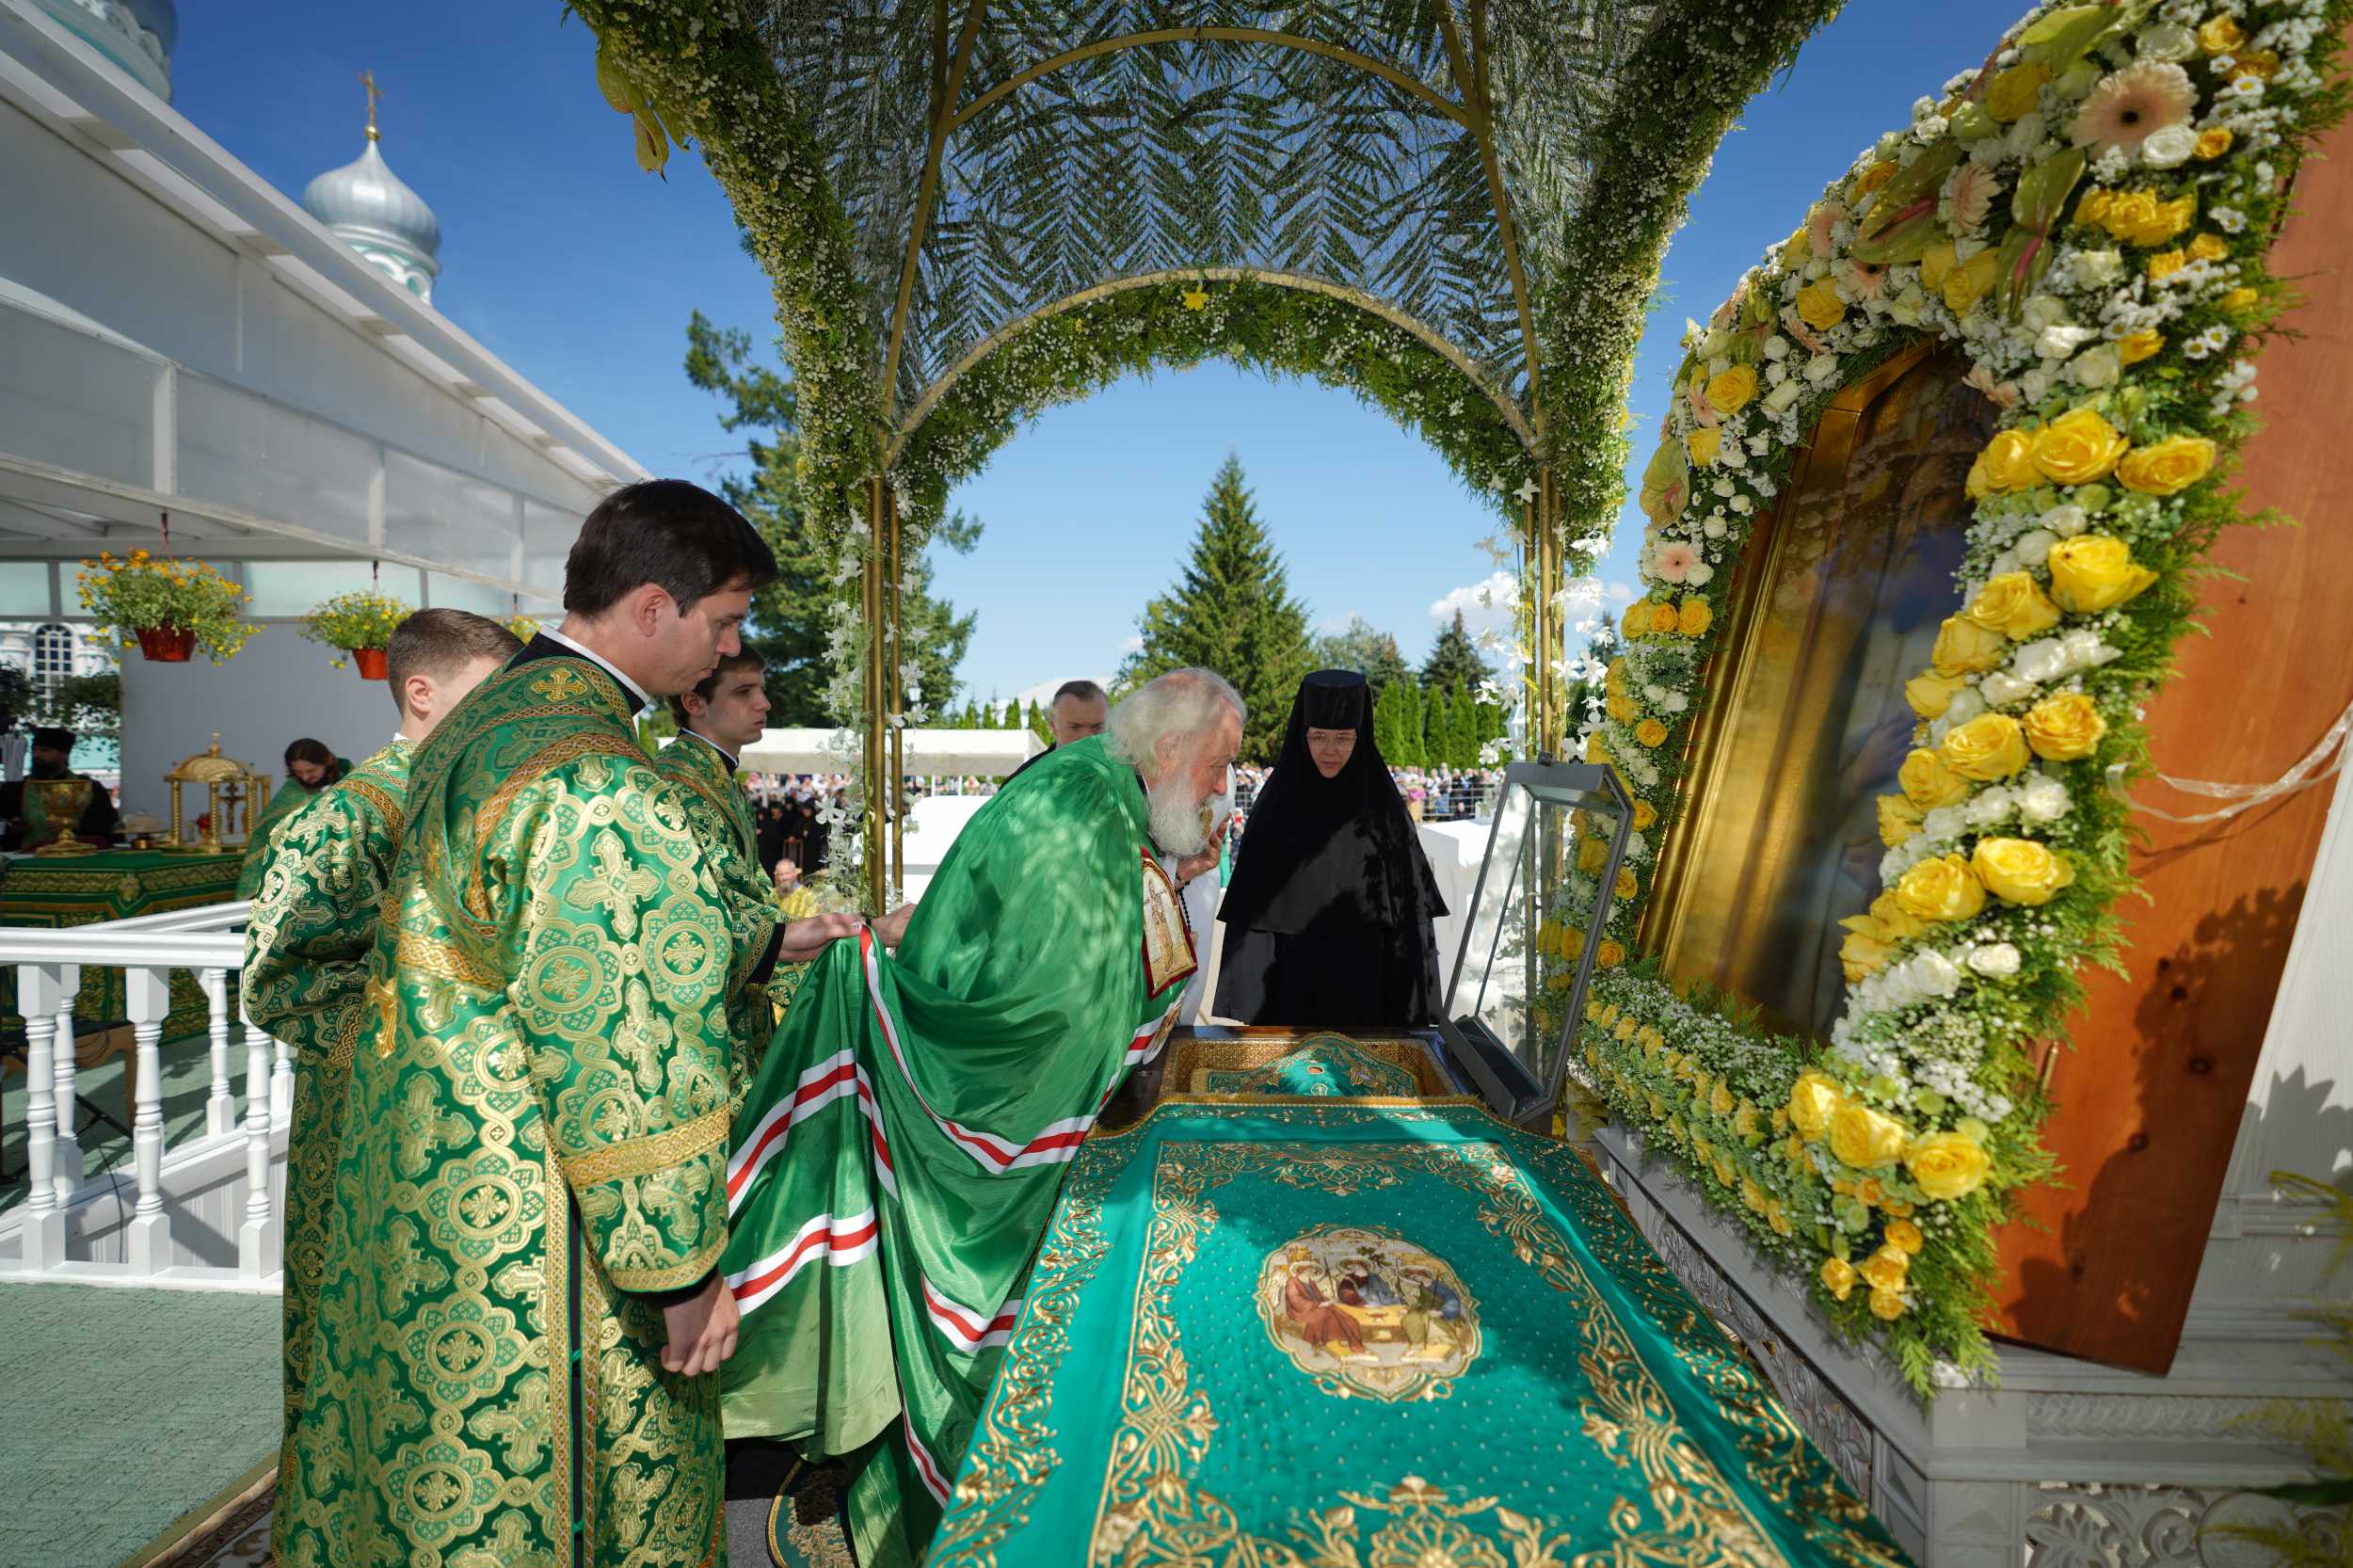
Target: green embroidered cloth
{"points": [[1322, 1333], [114, 884], [1324, 1065]]}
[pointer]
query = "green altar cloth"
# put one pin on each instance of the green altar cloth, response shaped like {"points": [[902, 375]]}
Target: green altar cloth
{"points": [[114, 885], [1322, 1333]]}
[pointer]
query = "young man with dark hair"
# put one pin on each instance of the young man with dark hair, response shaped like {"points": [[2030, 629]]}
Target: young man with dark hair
{"points": [[314, 923], [717, 718], [518, 1314]]}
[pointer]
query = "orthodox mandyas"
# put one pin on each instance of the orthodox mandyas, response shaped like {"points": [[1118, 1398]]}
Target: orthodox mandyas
{"points": [[519, 1311], [897, 1158], [313, 925]]}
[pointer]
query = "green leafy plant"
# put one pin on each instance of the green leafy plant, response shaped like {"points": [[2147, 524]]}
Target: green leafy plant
{"points": [[353, 622], [128, 595]]}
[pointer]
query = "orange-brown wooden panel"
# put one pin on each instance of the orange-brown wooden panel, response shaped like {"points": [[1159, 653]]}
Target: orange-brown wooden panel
{"points": [[2151, 1096]]}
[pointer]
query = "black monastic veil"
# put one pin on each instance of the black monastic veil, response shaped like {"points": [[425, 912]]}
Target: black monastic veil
{"points": [[1328, 918]]}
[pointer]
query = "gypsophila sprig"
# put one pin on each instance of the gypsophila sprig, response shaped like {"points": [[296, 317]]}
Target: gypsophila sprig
{"points": [[129, 593]]}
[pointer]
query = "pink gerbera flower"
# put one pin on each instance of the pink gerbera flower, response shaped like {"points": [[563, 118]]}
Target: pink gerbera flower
{"points": [[1861, 279], [1819, 223], [1672, 563], [1969, 197], [2145, 96]]}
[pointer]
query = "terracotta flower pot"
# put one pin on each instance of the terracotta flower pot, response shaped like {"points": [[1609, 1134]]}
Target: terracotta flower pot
{"points": [[167, 644], [369, 662]]}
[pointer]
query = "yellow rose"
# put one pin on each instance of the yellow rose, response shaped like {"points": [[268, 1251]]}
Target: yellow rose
{"points": [[2213, 143], [1720, 1100], [2165, 263], [1886, 1305], [2065, 727], [2167, 467], [1651, 732], [1592, 854], [1704, 443], [1942, 888], [1948, 1165], [1964, 648], [1898, 1209], [2092, 572], [1610, 1015], [1694, 617], [1820, 306], [2239, 301], [1935, 262], [1596, 749], [1969, 282], [1625, 882], [1929, 781], [2208, 247], [1610, 954], [2262, 64], [2019, 870], [1637, 620], [1893, 920], [1625, 1028], [2015, 91], [1593, 1011], [1752, 1196], [2171, 218], [1814, 1100], [1931, 693], [1865, 1138], [1885, 1269], [2221, 36], [2093, 208], [2133, 348], [1644, 814], [1837, 1277], [1730, 390], [1860, 955], [1904, 1234], [1613, 677], [1988, 748], [1620, 707], [1898, 820], [1724, 1173], [2014, 605], [1778, 1217], [2007, 464], [1663, 617], [2077, 448]]}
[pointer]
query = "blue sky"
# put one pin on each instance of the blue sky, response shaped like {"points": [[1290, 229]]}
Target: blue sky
{"points": [[580, 271]]}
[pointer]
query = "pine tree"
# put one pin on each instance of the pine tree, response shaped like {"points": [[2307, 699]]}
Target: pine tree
{"points": [[1231, 611], [1454, 661]]}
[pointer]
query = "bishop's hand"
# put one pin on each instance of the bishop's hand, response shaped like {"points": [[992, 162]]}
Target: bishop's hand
{"points": [[803, 939], [892, 928], [1194, 865]]}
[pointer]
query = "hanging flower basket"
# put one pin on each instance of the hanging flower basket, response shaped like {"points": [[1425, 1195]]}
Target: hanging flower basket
{"points": [[167, 644], [165, 608], [359, 625], [372, 663]]}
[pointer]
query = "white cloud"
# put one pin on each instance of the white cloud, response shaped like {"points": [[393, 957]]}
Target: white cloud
{"points": [[1620, 593], [1487, 605], [1330, 626], [1133, 644]]}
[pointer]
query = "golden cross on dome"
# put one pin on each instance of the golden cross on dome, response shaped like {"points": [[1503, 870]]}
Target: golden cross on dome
{"points": [[367, 80]]}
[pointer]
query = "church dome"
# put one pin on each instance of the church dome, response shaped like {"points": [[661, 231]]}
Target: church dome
{"points": [[370, 209]]}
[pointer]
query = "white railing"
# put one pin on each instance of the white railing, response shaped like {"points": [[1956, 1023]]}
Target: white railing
{"points": [[173, 1220]]}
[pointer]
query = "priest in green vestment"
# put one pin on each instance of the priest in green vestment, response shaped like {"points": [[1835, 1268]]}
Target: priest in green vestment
{"points": [[309, 768], [313, 925], [897, 1158], [519, 1315], [717, 718]]}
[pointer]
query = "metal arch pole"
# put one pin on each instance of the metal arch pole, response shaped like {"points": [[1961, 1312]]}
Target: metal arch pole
{"points": [[1389, 74], [1555, 643], [876, 867], [894, 688]]}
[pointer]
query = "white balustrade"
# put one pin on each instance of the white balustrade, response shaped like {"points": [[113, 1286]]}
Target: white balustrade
{"points": [[169, 1217]]}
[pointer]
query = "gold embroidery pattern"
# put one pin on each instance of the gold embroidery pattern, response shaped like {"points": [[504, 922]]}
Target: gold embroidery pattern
{"points": [[544, 762], [642, 1156], [1177, 1525]]}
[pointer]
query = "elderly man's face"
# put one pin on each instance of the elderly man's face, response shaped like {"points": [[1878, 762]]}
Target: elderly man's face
{"points": [[1205, 771]]}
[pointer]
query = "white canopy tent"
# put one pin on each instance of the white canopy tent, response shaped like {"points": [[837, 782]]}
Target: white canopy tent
{"points": [[929, 753]]}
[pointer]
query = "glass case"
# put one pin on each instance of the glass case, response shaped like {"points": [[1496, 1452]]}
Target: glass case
{"points": [[1518, 985]]}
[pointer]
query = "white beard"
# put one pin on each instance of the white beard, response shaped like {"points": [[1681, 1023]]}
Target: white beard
{"points": [[1182, 827]]}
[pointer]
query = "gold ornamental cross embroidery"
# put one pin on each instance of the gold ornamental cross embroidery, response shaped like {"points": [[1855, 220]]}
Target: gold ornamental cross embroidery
{"points": [[614, 884], [559, 685]]}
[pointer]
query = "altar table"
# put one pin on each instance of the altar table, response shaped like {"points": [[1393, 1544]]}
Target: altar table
{"points": [[114, 885]]}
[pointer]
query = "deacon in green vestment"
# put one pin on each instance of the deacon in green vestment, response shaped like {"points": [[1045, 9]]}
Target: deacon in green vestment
{"points": [[519, 1315], [313, 925], [309, 768], [721, 715], [897, 1158]]}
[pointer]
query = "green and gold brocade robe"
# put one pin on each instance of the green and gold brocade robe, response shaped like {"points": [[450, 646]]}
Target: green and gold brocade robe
{"points": [[306, 971], [720, 816], [291, 796], [535, 1146]]}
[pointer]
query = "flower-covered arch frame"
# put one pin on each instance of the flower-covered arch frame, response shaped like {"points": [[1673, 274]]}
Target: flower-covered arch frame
{"points": [[2086, 220]]}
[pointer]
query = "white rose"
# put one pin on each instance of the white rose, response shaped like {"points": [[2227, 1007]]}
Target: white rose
{"points": [[1676, 702], [1698, 577], [1989, 805], [2033, 547], [2057, 342], [2095, 368], [2097, 269], [2006, 562], [1779, 399], [2043, 309], [1944, 822], [2078, 80], [1743, 505], [2002, 688], [2066, 522], [2083, 649], [2042, 798], [1777, 347], [1907, 306], [1967, 705], [2166, 40], [1733, 455], [1994, 961], [2040, 661], [2169, 146], [1714, 526], [2024, 136], [1933, 973], [1775, 374], [2035, 385], [1821, 369]]}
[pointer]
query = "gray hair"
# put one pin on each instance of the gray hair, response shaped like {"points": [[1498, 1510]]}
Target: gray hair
{"points": [[1182, 704]]}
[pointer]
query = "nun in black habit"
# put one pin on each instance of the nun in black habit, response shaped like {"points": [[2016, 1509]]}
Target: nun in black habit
{"points": [[1328, 916]]}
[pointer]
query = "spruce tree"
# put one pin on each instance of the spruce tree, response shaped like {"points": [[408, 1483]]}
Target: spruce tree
{"points": [[1231, 611], [1388, 723], [1436, 713], [1013, 714], [1454, 661]]}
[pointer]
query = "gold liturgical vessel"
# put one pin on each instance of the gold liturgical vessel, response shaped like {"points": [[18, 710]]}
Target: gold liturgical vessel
{"points": [[229, 787], [63, 801]]}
